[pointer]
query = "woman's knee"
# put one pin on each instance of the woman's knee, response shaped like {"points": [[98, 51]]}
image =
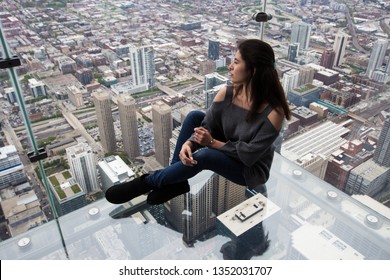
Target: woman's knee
{"points": [[220, 163], [207, 156], [201, 155]]}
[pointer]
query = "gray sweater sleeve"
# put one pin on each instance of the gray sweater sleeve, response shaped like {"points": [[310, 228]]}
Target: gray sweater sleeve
{"points": [[209, 119], [249, 153]]}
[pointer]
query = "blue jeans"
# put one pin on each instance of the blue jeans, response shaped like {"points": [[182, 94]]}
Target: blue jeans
{"points": [[207, 158]]}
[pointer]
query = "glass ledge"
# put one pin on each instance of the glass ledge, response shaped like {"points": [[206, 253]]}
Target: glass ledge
{"points": [[302, 217]]}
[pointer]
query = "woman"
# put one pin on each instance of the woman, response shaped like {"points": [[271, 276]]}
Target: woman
{"points": [[234, 138]]}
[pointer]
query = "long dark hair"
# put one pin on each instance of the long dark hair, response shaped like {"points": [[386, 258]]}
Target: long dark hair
{"points": [[263, 83]]}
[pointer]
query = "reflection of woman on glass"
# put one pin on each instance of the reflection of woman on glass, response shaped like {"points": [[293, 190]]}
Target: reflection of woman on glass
{"points": [[251, 243], [234, 138]]}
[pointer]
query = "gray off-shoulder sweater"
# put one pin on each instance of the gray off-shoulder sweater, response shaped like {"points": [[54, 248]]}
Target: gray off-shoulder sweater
{"points": [[250, 142]]}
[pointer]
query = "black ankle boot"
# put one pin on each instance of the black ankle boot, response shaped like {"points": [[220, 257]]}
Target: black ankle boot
{"points": [[165, 193], [124, 192]]}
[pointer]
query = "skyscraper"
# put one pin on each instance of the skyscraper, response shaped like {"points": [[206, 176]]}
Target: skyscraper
{"points": [[129, 126], [83, 166], [10, 95], [293, 50], [67, 194], [377, 56], [11, 167], [198, 216], [340, 43], [162, 128], [382, 151], [227, 195], [213, 80], [290, 80], [328, 58], [211, 86], [37, 88], [368, 178], [113, 170], [306, 75], [104, 118], [194, 212], [84, 76], [300, 33], [213, 51], [143, 67]]}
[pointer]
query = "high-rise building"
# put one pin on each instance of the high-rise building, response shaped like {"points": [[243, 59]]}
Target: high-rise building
{"points": [[368, 178], [304, 95], [129, 126], [75, 95], [382, 151], [84, 76], [290, 80], [67, 65], [113, 170], [83, 166], [293, 50], [327, 58], [300, 33], [207, 67], [192, 213], [213, 51], [340, 43], [10, 95], [67, 193], [210, 195], [101, 99], [213, 80], [162, 128], [84, 61], [342, 161], [37, 88], [305, 115], [198, 216], [227, 195], [377, 56], [11, 167], [143, 68], [306, 75], [327, 76], [380, 76], [212, 84]]}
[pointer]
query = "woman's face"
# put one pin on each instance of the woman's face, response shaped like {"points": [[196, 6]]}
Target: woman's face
{"points": [[238, 72]]}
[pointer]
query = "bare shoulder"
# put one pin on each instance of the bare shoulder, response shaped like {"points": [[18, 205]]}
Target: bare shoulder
{"points": [[220, 96], [276, 117]]}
